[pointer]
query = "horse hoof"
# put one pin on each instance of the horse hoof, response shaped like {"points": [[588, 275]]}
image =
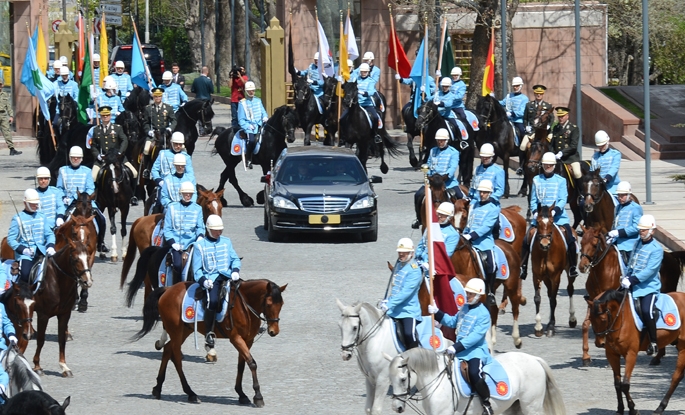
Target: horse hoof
{"points": [[655, 361], [414, 162], [587, 362], [82, 307], [193, 399], [247, 201], [307, 143], [384, 168], [244, 400], [39, 372], [502, 311], [157, 393], [209, 358], [114, 259], [572, 323], [70, 337], [259, 402], [550, 333], [67, 374], [158, 345], [103, 255], [538, 333], [523, 301], [518, 344]]}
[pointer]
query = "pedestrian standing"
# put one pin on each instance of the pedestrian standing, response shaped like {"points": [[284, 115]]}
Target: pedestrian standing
{"points": [[6, 118], [238, 79]]}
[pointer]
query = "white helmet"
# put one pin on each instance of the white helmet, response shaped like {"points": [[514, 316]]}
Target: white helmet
{"points": [[178, 138], [446, 82], [110, 84], [215, 222], [442, 134], [485, 185], [446, 208], [43, 172], [350, 63], [646, 222], [624, 188], [76, 151], [31, 196], [487, 150], [109, 78], [179, 159], [63, 70], [601, 138], [96, 57], [167, 76], [119, 64], [549, 158], [57, 64], [364, 67], [249, 86], [368, 56], [64, 60], [456, 71], [516, 81], [316, 56], [405, 245], [187, 187], [476, 286]]}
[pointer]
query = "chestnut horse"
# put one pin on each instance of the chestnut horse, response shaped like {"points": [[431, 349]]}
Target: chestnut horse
{"points": [[82, 229], [250, 299], [614, 328], [18, 300]]}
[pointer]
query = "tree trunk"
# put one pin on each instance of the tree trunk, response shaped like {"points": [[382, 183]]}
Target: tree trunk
{"points": [[194, 28]]}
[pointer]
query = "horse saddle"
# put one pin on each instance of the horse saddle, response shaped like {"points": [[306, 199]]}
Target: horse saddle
{"points": [[506, 231], [495, 376], [238, 145], [192, 309], [10, 275], [166, 268], [36, 273], [369, 118], [463, 133], [500, 262], [472, 119], [423, 332], [669, 317], [158, 234]]}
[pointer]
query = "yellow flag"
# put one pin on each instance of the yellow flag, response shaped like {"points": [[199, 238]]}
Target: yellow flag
{"points": [[344, 69], [41, 49], [104, 51]]}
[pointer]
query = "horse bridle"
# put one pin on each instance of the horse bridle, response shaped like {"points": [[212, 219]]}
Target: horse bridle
{"points": [[428, 120], [201, 113], [407, 396], [357, 341], [602, 191], [597, 257], [253, 311], [610, 329], [76, 277]]}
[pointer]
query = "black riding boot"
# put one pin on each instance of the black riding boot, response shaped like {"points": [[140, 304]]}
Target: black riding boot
{"points": [[134, 183], [481, 388], [572, 253], [102, 228], [490, 283], [210, 318], [145, 166], [650, 326], [525, 253]]}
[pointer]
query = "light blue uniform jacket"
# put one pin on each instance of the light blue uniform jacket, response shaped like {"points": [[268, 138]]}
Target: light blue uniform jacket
{"points": [[124, 84], [608, 163], [403, 301], [472, 323], [444, 161], [51, 203], [481, 221], [69, 180], [164, 164], [183, 224], [214, 257], [625, 222], [459, 90], [550, 190], [251, 114], [447, 99], [111, 101], [516, 104], [449, 234], [171, 187], [30, 230], [174, 95], [495, 174], [644, 265], [367, 85], [312, 72]]}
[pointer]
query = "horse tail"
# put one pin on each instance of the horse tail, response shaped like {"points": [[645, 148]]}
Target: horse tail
{"points": [[129, 256], [23, 376], [671, 276], [554, 401], [141, 273], [391, 145], [150, 313]]}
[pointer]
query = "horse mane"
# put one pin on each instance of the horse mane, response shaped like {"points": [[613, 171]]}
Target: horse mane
{"points": [[421, 360], [610, 295], [275, 291], [373, 311], [496, 106], [279, 112], [22, 376], [544, 211]]}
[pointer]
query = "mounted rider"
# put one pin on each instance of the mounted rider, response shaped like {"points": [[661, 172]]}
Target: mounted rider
{"points": [[158, 117], [123, 80], [483, 217], [251, 118], [458, 89], [366, 87], [51, 204], [450, 235], [375, 74], [515, 104], [109, 98], [75, 177], [532, 108], [9, 332], [183, 224], [642, 277], [173, 93], [164, 164], [30, 235], [445, 100], [402, 303], [63, 87], [171, 185], [417, 94], [314, 77], [607, 160], [53, 73], [550, 188], [214, 262], [565, 136], [487, 170], [105, 137], [443, 160], [625, 232]]}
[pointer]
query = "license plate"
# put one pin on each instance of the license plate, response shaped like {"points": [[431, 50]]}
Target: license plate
{"points": [[324, 219]]}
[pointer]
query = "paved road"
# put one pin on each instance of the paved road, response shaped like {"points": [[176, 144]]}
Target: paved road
{"points": [[300, 370]]}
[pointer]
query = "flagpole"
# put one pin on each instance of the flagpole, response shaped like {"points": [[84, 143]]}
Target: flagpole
{"points": [[147, 75], [48, 121], [397, 69], [442, 46], [429, 246], [92, 73], [339, 87], [423, 67]]}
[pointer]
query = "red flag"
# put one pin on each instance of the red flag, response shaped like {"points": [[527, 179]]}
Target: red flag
{"points": [[398, 63], [81, 45], [489, 74]]}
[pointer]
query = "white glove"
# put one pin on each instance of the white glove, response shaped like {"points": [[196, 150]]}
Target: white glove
{"points": [[309, 81], [13, 340], [339, 78], [432, 309], [59, 222], [509, 114], [552, 213], [127, 94], [398, 77], [535, 215], [27, 252], [436, 101], [450, 351], [383, 306], [613, 234], [235, 276], [423, 88], [66, 201], [168, 129], [176, 246], [625, 282], [529, 129], [50, 251], [151, 133], [467, 236], [99, 157], [265, 119], [425, 266], [208, 284], [437, 73], [558, 155]]}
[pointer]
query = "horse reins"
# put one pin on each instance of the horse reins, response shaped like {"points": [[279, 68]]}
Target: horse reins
{"points": [[596, 258], [357, 341], [76, 277], [608, 313], [407, 397]]}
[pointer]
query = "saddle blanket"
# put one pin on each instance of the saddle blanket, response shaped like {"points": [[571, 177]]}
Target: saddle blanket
{"points": [[500, 262], [238, 144], [472, 119], [620, 260], [165, 274], [506, 231], [158, 234], [318, 104], [190, 309], [368, 118], [458, 293], [495, 376], [669, 317], [424, 333], [462, 130], [6, 277]]}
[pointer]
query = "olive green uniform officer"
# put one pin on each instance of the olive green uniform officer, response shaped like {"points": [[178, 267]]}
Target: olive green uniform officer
{"points": [[532, 108], [565, 136], [160, 117], [6, 118], [105, 137]]}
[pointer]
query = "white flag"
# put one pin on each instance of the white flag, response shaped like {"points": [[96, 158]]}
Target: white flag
{"points": [[325, 57], [352, 50]]}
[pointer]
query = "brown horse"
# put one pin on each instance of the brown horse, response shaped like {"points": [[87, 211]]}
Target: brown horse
{"points": [[250, 299], [572, 190], [614, 327], [142, 228], [549, 259], [63, 272], [436, 184], [81, 229], [18, 300], [540, 125], [600, 262]]}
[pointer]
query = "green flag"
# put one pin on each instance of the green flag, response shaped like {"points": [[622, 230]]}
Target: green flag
{"points": [[447, 56], [84, 88]]}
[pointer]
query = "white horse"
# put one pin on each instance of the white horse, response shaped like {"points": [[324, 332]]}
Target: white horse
{"points": [[22, 377], [530, 380], [365, 329]]}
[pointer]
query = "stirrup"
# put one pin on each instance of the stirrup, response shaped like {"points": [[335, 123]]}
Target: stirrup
{"points": [[491, 301], [519, 171], [209, 339], [134, 201], [653, 348], [377, 139], [103, 248], [146, 174], [573, 272], [415, 224], [487, 409]]}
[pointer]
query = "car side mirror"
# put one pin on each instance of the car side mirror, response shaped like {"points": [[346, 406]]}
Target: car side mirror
{"points": [[376, 179]]}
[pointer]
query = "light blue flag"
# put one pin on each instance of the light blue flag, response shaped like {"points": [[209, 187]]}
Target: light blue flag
{"points": [[140, 73], [420, 75], [35, 80], [26, 75]]}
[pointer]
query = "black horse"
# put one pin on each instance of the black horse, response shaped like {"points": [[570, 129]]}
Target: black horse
{"points": [[357, 130], [495, 129], [412, 131], [187, 118], [136, 102], [34, 402], [114, 193], [279, 128], [307, 109], [430, 121]]}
